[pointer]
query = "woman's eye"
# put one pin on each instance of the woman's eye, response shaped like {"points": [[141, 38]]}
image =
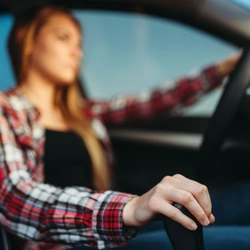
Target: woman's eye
{"points": [[63, 37]]}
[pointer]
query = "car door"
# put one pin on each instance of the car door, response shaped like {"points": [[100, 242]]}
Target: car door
{"points": [[131, 53]]}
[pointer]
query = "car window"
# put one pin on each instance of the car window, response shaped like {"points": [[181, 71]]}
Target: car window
{"points": [[126, 53], [6, 75], [243, 3], [130, 53]]}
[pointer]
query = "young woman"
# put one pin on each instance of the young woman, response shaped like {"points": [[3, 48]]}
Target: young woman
{"points": [[55, 154]]}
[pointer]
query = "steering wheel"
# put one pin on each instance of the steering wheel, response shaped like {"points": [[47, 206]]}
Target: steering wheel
{"points": [[213, 139], [222, 118]]}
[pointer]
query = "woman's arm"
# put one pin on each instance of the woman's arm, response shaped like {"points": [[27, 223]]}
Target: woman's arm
{"points": [[78, 215], [42, 212], [164, 99]]}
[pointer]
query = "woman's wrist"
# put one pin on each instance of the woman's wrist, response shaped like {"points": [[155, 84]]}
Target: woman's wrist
{"points": [[128, 214]]}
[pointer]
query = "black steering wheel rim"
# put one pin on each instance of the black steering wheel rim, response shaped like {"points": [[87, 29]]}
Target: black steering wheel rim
{"points": [[223, 117], [213, 139]]}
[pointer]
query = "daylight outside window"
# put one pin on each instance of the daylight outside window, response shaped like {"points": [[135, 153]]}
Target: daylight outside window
{"points": [[131, 53]]}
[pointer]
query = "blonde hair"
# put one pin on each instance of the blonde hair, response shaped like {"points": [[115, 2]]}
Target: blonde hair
{"points": [[68, 97]]}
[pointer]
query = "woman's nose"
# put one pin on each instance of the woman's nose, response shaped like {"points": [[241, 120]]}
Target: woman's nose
{"points": [[76, 52]]}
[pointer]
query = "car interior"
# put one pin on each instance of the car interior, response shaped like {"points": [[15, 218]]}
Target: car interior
{"points": [[213, 146]]}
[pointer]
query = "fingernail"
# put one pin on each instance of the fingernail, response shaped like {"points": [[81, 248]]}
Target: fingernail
{"points": [[206, 221], [193, 226]]}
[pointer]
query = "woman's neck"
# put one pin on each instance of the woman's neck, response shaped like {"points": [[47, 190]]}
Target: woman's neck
{"points": [[39, 92]]}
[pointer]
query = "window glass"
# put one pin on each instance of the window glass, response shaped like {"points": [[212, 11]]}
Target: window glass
{"points": [[129, 53], [6, 76], [243, 3]]}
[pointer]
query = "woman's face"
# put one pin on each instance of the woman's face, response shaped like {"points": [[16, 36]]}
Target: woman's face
{"points": [[56, 53]]}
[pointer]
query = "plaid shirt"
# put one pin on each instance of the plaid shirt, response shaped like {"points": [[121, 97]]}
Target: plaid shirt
{"points": [[54, 218]]}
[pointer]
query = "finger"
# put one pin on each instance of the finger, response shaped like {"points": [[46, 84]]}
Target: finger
{"points": [[211, 218], [189, 201], [175, 214], [199, 191]]}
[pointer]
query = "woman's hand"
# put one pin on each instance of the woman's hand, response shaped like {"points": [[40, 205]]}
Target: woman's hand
{"points": [[194, 196], [226, 66]]}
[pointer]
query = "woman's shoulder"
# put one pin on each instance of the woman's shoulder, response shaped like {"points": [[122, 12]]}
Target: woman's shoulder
{"points": [[12, 99], [5, 96], [13, 91]]}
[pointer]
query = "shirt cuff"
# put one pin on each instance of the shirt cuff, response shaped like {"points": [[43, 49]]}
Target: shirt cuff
{"points": [[108, 222]]}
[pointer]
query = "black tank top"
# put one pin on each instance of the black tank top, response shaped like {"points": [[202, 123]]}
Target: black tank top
{"points": [[66, 160]]}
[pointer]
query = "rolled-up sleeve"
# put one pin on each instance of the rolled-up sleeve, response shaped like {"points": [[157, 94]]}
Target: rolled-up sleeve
{"points": [[42, 212], [164, 100]]}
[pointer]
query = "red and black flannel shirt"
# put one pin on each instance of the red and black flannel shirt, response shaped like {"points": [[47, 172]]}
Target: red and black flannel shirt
{"points": [[50, 217]]}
